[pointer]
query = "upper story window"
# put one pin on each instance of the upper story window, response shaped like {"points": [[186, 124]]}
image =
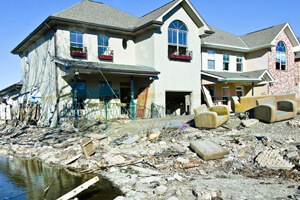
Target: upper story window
{"points": [[104, 51], [239, 62], [177, 40], [76, 39], [226, 61], [280, 56], [210, 59], [76, 44]]}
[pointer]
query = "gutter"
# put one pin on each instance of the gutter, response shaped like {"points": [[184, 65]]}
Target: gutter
{"points": [[230, 47]]}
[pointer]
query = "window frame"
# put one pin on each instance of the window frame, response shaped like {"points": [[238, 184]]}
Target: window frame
{"points": [[239, 89], [211, 57], [176, 33], [103, 46], [239, 61], [225, 98], [77, 35], [226, 62], [281, 56]]}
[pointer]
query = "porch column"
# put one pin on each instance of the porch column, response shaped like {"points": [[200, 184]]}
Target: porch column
{"points": [[252, 89], [75, 95], [132, 99]]}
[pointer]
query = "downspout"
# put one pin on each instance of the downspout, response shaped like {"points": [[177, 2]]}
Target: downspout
{"points": [[56, 73]]}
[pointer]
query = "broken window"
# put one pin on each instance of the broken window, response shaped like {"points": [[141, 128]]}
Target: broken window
{"points": [[81, 93], [105, 93], [225, 94], [239, 91]]}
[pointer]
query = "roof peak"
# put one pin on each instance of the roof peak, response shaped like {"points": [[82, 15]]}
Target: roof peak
{"points": [[266, 28]]}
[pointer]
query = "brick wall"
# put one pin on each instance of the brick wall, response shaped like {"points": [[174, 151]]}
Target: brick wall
{"points": [[285, 79]]}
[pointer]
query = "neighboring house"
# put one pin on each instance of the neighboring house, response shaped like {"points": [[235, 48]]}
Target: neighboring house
{"points": [[257, 63], [297, 68], [9, 103], [92, 55]]}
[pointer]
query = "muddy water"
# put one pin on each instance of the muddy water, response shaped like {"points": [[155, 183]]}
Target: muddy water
{"points": [[27, 179]]}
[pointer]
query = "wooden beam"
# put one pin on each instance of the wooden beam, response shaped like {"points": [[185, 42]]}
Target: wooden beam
{"points": [[79, 189]]}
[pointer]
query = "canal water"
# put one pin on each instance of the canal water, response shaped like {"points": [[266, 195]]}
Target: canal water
{"points": [[27, 179]]}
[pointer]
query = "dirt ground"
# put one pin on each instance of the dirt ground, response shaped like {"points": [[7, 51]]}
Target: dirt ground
{"points": [[166, 167]]}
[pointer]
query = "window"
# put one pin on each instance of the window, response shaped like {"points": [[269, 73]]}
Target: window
{"points": [[102, 44], [239, 62], [226, 61], [105, 93], [280, 56], [76, 39], [239, 91], [225, 94], [177, 38], [210, 59]]}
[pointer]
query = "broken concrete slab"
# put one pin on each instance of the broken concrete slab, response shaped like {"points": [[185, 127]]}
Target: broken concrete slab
{"points": [[173, 125], [271, 159], [208, 150], [129, 141], [96, 136], [250, 122]]}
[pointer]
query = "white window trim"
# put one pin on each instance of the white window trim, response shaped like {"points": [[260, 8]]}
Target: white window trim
{"points": [[242, 62], [241, 89], [226, 61], [211, 58]]}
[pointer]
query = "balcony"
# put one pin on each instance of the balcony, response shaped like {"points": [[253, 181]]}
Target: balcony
{"points": [[107, 55], [181, 55], [80, 52]]}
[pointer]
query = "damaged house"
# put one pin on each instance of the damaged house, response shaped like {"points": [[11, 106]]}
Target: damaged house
{"points": [[254, 64], [97, 61], [107, 63]]}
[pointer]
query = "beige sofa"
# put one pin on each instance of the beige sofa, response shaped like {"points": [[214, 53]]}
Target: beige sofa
{"points": [[246, 103], [268, 110], [211, 117]]}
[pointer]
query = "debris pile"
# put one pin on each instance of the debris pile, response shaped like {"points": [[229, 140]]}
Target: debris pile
{"points": [[169, 158]]}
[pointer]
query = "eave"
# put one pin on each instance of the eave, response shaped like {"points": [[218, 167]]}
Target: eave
{"points": [[235, 48]]}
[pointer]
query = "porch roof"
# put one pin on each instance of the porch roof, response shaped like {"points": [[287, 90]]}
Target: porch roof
{"points": [[108, 67], [257, 76]]}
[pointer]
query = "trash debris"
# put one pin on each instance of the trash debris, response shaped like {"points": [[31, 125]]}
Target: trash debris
{"points": [[79, 189], [173, 125], [271, 159], [129, 141], [96, 136], [88, 147], [208, 150], [249, 122]]}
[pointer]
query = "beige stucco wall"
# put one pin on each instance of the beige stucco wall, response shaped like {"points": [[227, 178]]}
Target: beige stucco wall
{"points": [[219, 60], [177, 76], [90, 41], [256, 60]]}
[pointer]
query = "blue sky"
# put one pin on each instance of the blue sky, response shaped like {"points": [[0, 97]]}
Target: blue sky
{"points": [[18, 18]]}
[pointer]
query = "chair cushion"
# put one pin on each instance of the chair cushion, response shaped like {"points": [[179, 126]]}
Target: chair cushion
{"points": [[203, 111], [268, 103], [222, 119]]}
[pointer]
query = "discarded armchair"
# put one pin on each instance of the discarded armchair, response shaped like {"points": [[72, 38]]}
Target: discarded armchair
{"points": [[211, 117], [267, 110]]}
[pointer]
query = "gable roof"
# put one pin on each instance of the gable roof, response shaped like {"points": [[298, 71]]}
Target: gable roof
{"points": [[99, 15], [224, 38], [262, 37], [252, 41]]}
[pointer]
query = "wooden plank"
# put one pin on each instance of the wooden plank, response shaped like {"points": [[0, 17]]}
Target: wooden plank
{"points": [[88, 147], [79, 189]]}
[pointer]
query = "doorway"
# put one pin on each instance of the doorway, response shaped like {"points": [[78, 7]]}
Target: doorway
{"points": [[178, 103]]}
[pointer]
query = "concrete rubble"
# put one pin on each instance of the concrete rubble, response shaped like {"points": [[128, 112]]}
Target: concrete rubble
{"points": [[259, 162]]}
